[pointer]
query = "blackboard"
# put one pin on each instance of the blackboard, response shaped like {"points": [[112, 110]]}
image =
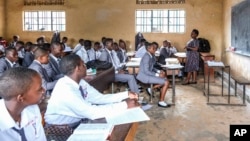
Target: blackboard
{"points": [[240, 28]]}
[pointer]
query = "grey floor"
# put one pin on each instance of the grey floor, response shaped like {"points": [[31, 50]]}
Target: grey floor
{"points": [[191, 119]]}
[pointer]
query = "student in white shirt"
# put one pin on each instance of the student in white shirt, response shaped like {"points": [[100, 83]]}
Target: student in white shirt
{"points": [[67, 48], [94, 53], [74, 99], [78, 46], [21, 90], [82, 52]]}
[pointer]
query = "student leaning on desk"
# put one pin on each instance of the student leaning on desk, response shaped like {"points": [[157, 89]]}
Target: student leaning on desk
{"points": [[73, 99]]}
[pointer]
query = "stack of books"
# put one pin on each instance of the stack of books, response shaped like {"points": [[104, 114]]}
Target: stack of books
{"points": [[92, 132]]}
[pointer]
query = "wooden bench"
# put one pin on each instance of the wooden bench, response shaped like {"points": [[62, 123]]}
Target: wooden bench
{"points": [[242, 81]]}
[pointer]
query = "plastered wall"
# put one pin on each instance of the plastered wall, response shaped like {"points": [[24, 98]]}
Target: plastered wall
{"points": [[2, 18], [92, 19]]}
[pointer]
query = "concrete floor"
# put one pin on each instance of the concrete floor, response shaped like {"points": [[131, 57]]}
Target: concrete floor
{"points": [[191, 119]]}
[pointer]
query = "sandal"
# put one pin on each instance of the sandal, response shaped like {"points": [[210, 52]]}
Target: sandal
{"points": [[185, 83], [195, 82]]}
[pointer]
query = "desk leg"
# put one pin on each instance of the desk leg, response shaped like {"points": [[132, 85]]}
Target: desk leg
{"points": [[173, 86], [204, 86], [244, 93], [208, 79], [222, 79], [229, 85]]}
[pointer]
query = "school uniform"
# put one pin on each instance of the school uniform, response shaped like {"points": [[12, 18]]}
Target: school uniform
{"points": [[83, 54], [147, 73], [140, 52], [124, 55], [31, 125], [93, 55], [52, 68], [6, 64], [47, 83], [110, 56], [69, 103], [28, 59]]}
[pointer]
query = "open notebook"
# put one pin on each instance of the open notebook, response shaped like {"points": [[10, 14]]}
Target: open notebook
{"points": [[92, 132]]}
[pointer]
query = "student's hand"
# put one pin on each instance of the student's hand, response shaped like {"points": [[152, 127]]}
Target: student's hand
{"points": [[132, 95], [162, 74], [120, 72], [132, 103]]}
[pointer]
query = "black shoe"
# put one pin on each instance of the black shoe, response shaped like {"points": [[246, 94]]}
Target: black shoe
{"points": [[167, 106]]}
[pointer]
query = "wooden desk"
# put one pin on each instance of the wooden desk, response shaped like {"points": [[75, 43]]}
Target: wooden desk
{"points": [[102, 79], [124, 132], [207, 57]]}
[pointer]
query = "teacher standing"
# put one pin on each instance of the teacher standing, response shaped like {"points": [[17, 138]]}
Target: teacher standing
{"points": [[192, 61]]}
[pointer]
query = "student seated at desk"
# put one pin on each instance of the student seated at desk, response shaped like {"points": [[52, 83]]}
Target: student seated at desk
{"points": [[148, 74], [42, 57], [109, 55], [166, 51], [73, 99], [52, 68], [20, 120], [9, 61]]}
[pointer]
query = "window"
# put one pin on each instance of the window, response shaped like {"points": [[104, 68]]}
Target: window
{"points": [[160, 21], [44, 21]]}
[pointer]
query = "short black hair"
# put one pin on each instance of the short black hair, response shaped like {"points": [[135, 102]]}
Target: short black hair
{"points": [[8, 50], [40, 51], [55, 44], [69, 63], [97, 43], [108, 40], [148, 45], [16, 81], [196, 31]]}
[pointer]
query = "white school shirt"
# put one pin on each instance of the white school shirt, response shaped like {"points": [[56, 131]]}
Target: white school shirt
{"points": [[93, 55], [83, 54], [30, 120], [66, 104]]}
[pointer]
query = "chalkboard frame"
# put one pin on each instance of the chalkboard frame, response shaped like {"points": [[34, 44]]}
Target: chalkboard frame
{"points": [[240, 28]]}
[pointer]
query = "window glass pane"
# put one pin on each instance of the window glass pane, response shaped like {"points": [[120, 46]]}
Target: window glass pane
{"points": [[155, 20], [44, 20]]}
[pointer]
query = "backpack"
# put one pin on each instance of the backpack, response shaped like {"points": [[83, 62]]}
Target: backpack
{"points": [[99, 65], [204, 45]]}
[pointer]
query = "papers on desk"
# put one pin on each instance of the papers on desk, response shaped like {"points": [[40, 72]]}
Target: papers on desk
{"points": [[135, 59], [133, 64], [173, 66], [128, 116], [215, 64], [91, 132], [181, 54]]}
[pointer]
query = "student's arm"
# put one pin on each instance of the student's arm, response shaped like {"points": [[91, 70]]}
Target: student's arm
{"points": [[94, 96], [145, 63]]}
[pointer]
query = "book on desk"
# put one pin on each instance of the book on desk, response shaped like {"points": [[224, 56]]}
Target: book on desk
{"points": [[92, 132], [101, 131], [215, 64]]}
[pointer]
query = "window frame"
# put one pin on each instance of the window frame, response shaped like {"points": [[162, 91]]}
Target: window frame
{"points": [[148, 24], [44, 20]]}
